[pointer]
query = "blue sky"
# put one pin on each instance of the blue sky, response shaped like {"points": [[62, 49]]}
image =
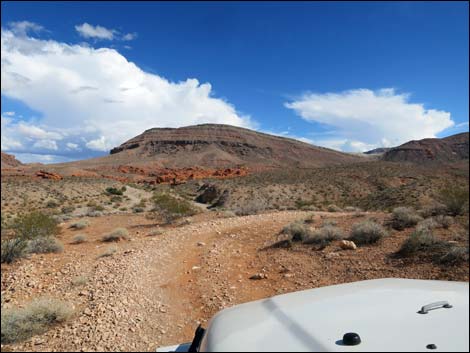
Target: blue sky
{"points": [[81, 77]]}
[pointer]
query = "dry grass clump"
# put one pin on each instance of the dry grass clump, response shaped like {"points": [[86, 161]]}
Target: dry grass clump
{"points": [[334, 208], [13, 249], [367, 232], [79, 238], [404, 217], [80, 224], [109, 252], [45, 245], [19, 324], [116, 235], [297, 231], [324, 235]]}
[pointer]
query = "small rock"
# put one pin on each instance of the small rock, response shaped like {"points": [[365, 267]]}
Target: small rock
{"points": [[347, 245], [259, 276], [201, 243]]}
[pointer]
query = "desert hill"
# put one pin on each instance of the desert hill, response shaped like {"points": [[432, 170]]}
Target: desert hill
{"points": [[9, 161], [449, 149]]}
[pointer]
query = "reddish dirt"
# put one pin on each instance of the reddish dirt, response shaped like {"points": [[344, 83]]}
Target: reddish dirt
{"points": [[155, 289]]}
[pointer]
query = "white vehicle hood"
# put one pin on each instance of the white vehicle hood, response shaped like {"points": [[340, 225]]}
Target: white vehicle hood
{"points": [[384, 313]]}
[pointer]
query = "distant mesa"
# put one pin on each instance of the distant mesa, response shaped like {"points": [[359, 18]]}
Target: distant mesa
{"points": [[224, 146], [449, 149]]}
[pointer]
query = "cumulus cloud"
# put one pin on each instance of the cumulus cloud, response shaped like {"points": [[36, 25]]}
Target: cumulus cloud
{"points": [[362, 119], [94, 98], [24, 27], [89, 31]]}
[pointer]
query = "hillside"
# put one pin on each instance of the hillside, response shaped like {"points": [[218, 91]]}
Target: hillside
{"points": [[9, 161], [450, 149], [211, 145]]}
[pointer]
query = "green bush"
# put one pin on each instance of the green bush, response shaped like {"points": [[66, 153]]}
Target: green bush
{"points": [[419, 241], [324, 235], [117, 235], [19, 324], [367, 232], [404, 217], [454, 256], [172, 208], [114, 191], [45, 245], [13, 249], [34, 225], [455, 199]]}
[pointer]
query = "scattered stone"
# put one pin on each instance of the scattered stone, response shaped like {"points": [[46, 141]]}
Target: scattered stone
{"points": [[259, 276], [347, 245]]}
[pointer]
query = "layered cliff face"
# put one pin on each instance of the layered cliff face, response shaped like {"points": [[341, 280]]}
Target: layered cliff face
{"points": [[450, 149], [9, 161], [218, 146]]}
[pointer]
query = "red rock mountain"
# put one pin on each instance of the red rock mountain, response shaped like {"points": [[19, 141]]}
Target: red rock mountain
{"points": [[222, 146], [450, 149], [9, 161]]}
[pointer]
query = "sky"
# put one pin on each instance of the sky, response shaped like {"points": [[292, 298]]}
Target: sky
{"points": [[79, 78]]}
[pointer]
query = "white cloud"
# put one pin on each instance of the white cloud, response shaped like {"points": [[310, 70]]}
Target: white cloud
{"points": [[9, 113], [24, 27], [46, 144], [129, 36], [364, 119], [95, 98], [72, 146], [89, 31]]}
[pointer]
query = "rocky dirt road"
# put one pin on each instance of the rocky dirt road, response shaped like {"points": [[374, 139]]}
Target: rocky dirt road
{"points": [[147, 294], [155, 290]]}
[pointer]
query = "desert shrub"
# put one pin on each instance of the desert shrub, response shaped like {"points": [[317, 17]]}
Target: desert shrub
{"points": [[109, 252], [444, 221], [155, 232], [137, 209], [116, 198], [352, 209], [367, 232], [404, 217], [79, 281], [79, 238], [94, 214], [67, 209], [420, 240], [114, 191], [172, 208], [297, 231], [13, 249], [333, 208], [309, 208], [324, 235], [116, 235], [51, 204], [227, 214], [98, 208], [45, 245], [34, 225], [428, 223], [79, 225], [329, 222], [19, 324], [454, 256], [251, 207], [455, 199], [433, 209]]}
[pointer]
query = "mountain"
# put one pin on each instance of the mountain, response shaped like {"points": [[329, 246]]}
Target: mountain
{"points": [[9, 161], [449, 149], [221, 146], [376, 151]]}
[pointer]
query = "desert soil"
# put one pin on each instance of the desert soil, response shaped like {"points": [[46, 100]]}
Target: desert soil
{"points": [[156, 289]]}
